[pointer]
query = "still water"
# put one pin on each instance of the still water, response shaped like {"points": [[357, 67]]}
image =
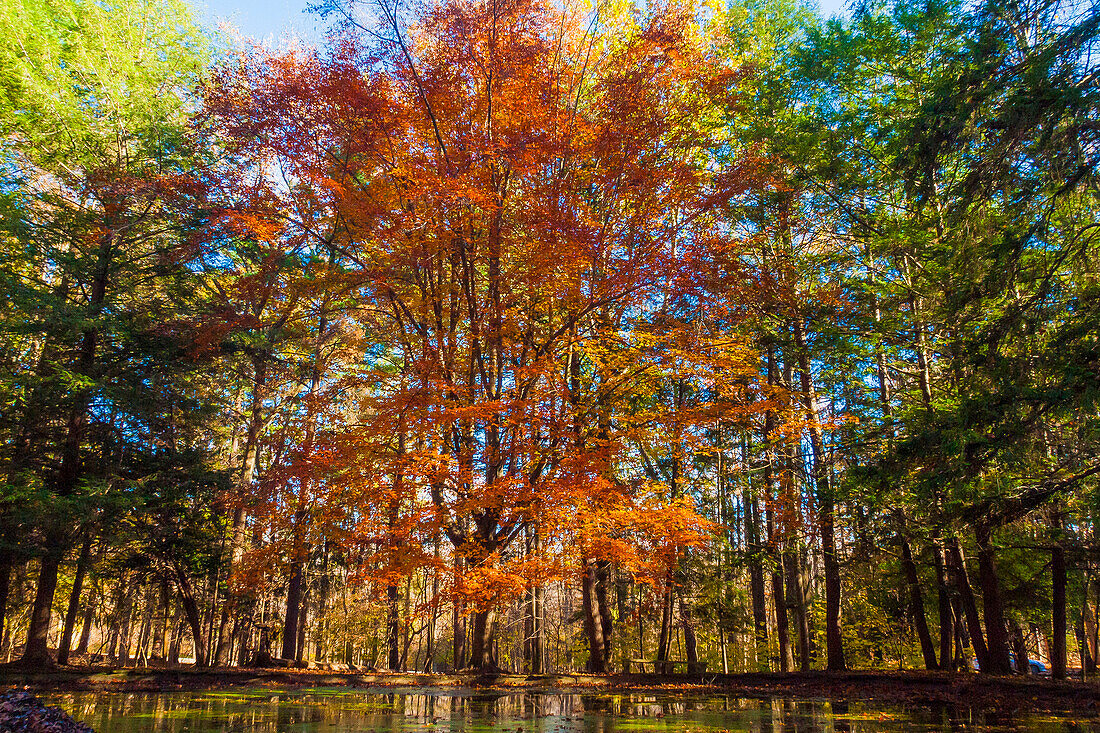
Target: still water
{"points": [[465, 711]]}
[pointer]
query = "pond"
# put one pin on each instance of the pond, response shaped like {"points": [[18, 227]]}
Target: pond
{"points": [[468, 711]]}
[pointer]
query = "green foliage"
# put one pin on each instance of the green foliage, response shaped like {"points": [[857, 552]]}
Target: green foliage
{"points": [[91, 85], [94, 104]]}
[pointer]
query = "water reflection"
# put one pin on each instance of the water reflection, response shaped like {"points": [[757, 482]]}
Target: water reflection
{"points": [[465, 711]]}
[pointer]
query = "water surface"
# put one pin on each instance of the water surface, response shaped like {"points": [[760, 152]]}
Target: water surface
{"points": [[468, 711]]}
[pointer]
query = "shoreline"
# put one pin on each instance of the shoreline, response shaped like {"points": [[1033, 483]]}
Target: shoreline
{"points": [[901, 688]]}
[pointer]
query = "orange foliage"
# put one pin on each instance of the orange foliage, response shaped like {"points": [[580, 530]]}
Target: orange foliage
{"points": [[509, 194]]}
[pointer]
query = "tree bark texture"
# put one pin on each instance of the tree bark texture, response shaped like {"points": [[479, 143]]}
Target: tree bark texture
{"points": [[393, 628], [943, 603], [969, 604], [593, 624], [916, 604], [826, 512], [1058, 606], [996, 636], [290, 620], [74, 600], [480, 638]]}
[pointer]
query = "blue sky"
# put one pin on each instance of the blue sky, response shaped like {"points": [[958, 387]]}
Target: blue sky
{"points": [[277, 20], [270, 20]]}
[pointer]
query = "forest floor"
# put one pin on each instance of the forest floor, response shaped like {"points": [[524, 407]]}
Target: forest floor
{"points": [[901, 688]]}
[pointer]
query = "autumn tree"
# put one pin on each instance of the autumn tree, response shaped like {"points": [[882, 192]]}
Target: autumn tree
{"points": [[502, 196]]}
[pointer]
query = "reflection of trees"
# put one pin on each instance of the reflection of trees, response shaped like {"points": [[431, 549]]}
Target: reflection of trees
{"points": [[285, 717], [483, 706], [350, 712], [840, 709]]}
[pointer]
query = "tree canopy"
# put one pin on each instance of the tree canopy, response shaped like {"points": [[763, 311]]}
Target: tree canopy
{"points": [[543, 336]]}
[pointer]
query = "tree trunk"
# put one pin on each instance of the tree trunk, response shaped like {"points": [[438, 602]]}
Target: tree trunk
{"points": [[393, 628], [429, 662], [37, 652], [826, 515], [970, 606], [1087, 662], [691, 643], [529, 622], [242, 632], [996, 638], [916, 604], [303, 617], [224, 647], [89, 617], [962, 636], [160, 637], [1019, 648], [1058, 604], [834, 645], [782, 625], [756, 583], [74, 600], [1089, 620], [294, 625], [480, 638], [947, 620], [5, 586], [796, 602], [324, 583], [924, 369], [603, 582], [533, 627], [538, 652], [794, 553], [191, 612], [123, 651], [664, 641], [433, 619], [248, 470], [172, 658], [458, 626], [112, 630], [593, 625], [145, 630], [494, 644], [290, 621]]}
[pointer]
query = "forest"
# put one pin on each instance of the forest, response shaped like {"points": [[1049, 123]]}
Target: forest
{"points": [[549, 336]]}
